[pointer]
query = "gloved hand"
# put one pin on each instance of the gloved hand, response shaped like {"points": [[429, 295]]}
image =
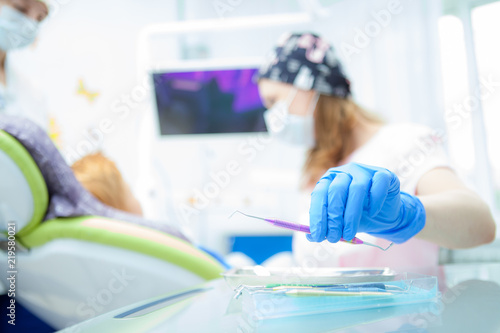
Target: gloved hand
{"points": [[360, 198]]}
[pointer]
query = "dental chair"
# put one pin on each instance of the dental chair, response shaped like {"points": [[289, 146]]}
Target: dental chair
{"points": [[75, 257]]}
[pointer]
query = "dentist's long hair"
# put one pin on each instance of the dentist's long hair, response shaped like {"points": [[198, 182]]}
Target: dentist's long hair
{"points": [[335, 119]]}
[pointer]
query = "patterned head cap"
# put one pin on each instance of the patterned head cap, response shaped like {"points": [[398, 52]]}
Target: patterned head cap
{"points": [[308, 62]]}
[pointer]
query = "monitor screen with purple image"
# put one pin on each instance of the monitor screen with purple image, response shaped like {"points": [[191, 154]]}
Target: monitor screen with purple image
{"points": [[208, 101]]}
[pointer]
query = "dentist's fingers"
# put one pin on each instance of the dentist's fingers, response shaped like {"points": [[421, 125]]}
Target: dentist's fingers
{"points": [[318, 214], [379, 190], [338, 193], [357, 197]]}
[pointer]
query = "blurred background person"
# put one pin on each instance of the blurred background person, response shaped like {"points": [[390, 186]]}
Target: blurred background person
{"points": [[19, 26]]}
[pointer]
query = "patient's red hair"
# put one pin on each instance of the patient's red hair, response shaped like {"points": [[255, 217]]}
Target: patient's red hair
{"points": [[100, 176]]}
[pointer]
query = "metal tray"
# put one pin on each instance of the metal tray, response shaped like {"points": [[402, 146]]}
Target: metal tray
{"points": [[261, 276]]}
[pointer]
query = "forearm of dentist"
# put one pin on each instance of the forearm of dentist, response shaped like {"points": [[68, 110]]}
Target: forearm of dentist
{"points": [[456, 217]]}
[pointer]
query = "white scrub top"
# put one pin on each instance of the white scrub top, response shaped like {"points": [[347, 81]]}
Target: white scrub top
{"points": [[22, 96]]}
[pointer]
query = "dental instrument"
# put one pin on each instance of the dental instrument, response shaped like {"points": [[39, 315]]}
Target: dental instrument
{"points": [[305, 229]]}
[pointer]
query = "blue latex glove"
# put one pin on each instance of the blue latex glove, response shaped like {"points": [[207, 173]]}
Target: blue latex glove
{"points": [[360, 198]]}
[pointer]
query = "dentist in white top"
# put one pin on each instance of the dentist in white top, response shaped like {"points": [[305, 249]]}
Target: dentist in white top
{"points": [[19, 95]]}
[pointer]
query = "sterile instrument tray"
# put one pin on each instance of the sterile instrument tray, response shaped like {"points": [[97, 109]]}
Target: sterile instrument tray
{"points": [[262, 303], [261, 276]]}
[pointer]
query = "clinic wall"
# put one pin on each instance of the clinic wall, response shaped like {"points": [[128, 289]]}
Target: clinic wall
{"points": [[95, 42]]}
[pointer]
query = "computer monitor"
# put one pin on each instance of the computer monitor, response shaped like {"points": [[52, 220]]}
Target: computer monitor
{"points": [[208, 101]]}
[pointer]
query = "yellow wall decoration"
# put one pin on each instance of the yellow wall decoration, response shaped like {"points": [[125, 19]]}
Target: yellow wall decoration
{"points": [[90, 96]]}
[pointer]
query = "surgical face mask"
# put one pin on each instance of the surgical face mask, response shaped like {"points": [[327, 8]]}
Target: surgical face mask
{"points": [[16, 29], [294, 129]]}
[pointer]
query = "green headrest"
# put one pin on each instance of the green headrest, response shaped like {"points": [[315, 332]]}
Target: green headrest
{"points": [[22, 158]]}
